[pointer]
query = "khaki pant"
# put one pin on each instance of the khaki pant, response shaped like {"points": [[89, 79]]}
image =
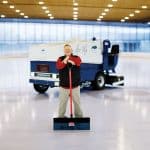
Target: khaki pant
{"points": [[63, 98]]}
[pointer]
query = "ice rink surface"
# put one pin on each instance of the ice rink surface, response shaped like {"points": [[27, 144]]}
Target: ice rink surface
{"points": [[120, 117]]}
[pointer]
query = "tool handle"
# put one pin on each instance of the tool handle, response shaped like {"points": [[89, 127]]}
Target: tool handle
{"points": [[70, 85]]}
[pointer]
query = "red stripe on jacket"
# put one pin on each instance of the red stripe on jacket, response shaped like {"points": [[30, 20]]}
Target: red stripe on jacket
{"points": [[60, 64]]}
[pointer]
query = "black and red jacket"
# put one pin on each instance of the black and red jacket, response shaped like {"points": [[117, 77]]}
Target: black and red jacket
{"points": [[64, 71]]}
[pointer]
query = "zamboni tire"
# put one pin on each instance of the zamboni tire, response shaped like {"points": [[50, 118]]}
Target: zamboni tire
{"points": [[40, 88], [99, 82]]}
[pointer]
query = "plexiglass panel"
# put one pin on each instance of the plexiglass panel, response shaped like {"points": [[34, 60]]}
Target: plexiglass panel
{"points": [[17, 36]]}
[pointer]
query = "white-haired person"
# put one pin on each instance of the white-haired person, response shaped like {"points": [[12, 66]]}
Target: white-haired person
{"points": [[62, 66]]}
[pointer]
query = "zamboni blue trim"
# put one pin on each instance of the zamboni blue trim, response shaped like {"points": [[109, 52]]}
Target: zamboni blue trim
{"points": [[95, 75]]}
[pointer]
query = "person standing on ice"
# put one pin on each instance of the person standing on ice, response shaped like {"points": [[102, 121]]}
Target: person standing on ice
{"points": [[62, 65]]}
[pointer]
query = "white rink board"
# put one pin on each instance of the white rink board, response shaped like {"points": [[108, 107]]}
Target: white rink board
{"points": [[90, 52]]}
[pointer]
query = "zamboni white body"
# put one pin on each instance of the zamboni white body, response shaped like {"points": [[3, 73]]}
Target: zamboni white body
{"points": [[97, 68]]}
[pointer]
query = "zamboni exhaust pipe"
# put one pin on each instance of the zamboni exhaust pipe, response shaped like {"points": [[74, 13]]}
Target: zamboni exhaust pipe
{"points": [[71, 123]]}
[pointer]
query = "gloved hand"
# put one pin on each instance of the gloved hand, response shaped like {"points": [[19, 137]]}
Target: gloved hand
{"points": [[66, 60], [69, 65], [72, 62]]}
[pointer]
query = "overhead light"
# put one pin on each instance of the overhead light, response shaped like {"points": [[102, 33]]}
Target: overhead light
{"points": [[110, 5], [75, 4], [101, 17], [26, 17], [41, 2], [122, 20], [75, 12], [75, 16], [49, 15], [22, 14], [114, 0], [106, 10], [137, 11], [44, 7], [98, 19], [11, 6], [5, 2], [148, 23], [144, 7], [17, 10], [131, 15], [103, 14], [3, 16], [126, 18], [47, 11], [75, 8]]}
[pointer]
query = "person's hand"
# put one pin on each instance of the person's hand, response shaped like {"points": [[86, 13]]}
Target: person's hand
{"points": [[66, 60], [72, 62]]}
